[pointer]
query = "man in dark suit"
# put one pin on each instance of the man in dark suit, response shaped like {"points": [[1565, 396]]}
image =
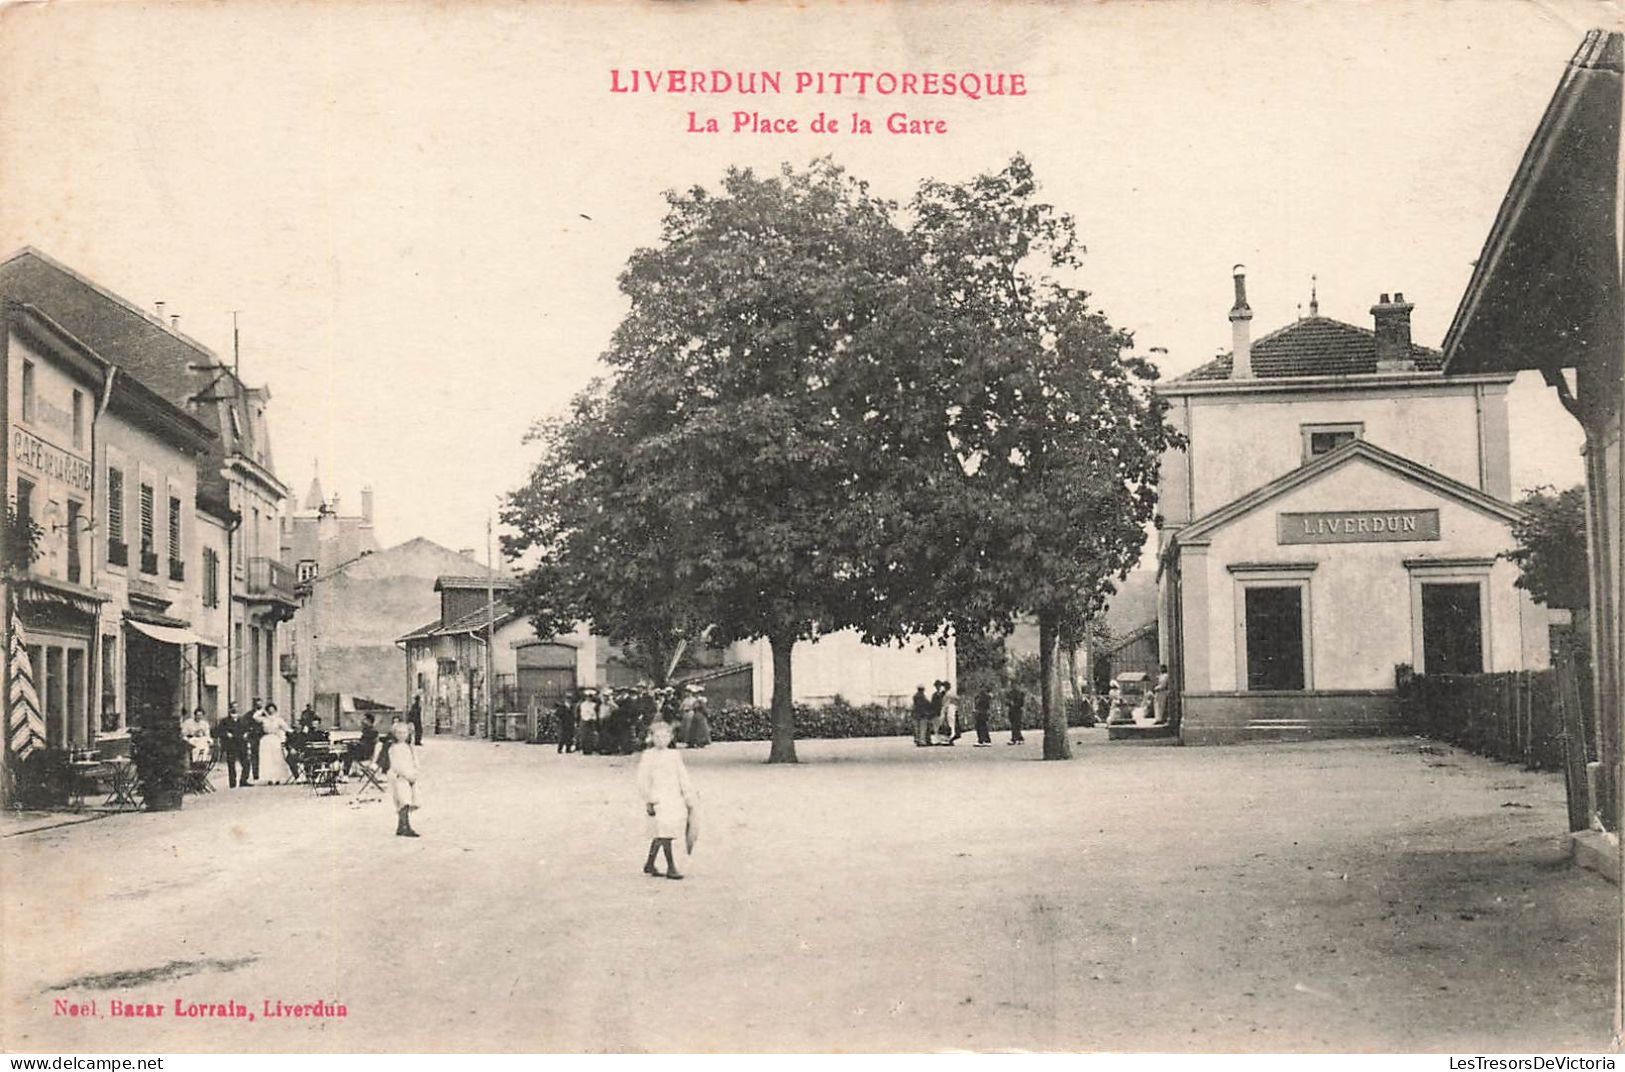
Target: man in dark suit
{"points": [[252, 732], [415, 717], [361, 749], [229, 732], [565, 715], [984, 708], [922, 717], [1014, 701]]}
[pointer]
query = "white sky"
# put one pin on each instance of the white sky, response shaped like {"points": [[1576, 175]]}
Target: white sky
{"points": [[393, 193]]}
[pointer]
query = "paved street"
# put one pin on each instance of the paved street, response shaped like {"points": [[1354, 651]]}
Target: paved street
{"points": [[1380, 894]]}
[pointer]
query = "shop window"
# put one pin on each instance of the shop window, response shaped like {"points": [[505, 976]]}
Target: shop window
{"points": [[208, 660], [1452, 628], [77, 713], [1321, 439], [254, 650], [112, 719], [28, 392], [1274, 631], [50, 682]]}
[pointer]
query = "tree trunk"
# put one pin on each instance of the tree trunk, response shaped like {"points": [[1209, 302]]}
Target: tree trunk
{"points": [[784, 714], [1056, 745]]}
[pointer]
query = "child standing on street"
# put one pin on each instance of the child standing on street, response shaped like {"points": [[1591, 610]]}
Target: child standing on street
{"points": [[668, 797], [403, 776]]}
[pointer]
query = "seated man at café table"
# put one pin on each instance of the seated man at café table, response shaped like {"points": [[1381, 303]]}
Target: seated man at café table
{"points": [[309, 720], [196, 731], [362, 748]]}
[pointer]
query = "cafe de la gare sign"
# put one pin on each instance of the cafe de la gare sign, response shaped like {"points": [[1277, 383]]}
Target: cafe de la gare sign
{"points": [[1358, 526]]}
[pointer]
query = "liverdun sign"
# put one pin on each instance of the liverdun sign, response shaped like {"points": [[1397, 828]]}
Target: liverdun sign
{"points": [[1358, 526]]}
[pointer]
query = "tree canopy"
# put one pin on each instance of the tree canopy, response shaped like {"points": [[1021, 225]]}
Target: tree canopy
{"points": [[821, 416], [715, 479], [1054, 438]]}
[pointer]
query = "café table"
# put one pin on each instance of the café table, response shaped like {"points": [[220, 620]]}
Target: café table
{"points": [[121, 783], [319, 763], [82, 775]]}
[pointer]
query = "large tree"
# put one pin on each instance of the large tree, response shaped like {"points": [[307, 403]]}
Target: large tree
{"points": [[718, 477], [1030, 431]]}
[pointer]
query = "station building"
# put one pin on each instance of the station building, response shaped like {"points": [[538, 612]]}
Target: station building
{"points": [[1337, 516]]}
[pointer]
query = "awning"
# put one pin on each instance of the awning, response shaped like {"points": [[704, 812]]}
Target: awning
{"points": [[164, 633], [50, 590]]}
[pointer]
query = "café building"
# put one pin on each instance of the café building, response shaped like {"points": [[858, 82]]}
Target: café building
{"points": [[1337, 515], [56, 388], [104, 470]]}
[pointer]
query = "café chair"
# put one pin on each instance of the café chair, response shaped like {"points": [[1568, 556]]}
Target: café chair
{"points": [[322, 772], [371, 777], [124, 787], [197, 773]]}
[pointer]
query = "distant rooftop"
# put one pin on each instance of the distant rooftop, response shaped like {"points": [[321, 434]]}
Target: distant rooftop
{"points": [[492, 581]]}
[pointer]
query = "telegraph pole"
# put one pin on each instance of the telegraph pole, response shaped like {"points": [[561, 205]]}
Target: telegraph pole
{"points": [[490, 630]]}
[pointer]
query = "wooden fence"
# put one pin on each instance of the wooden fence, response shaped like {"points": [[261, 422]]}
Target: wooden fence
{"points": [[1537, 719]]}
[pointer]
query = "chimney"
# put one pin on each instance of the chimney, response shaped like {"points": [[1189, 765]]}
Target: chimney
{"points": [[1241, 330], [175, 321], [1393, 325], [160, 307], [334, 503], [366, 504]]}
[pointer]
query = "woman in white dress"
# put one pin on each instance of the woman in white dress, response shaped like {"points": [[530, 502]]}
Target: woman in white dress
{"points": [[196, 732], [273, 764], [948, 727]]}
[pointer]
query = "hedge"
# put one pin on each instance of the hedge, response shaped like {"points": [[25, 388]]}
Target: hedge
{"points": [[839, 719], [739, 722]]}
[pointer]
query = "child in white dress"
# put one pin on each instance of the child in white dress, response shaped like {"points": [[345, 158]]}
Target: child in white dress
{"points": [[668, 797], [403, 777]]}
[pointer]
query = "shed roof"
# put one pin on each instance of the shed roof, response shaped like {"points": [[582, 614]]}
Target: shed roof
{"points": [[475, 621]]}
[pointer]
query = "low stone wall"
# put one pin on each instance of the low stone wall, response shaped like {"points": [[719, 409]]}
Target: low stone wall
{"points": [[1233, 718]]}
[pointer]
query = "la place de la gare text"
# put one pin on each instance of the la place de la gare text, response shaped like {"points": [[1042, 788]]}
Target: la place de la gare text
{"points": [[181, 1009], [966, 85]]}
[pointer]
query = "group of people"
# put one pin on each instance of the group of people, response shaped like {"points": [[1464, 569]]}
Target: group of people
{"points": [[936, 717], [253, 746], [262, 748], [620, 721]]}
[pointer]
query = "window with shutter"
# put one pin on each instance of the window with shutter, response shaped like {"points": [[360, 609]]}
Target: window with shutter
{"points": [[115, 505], [146, 517]]}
